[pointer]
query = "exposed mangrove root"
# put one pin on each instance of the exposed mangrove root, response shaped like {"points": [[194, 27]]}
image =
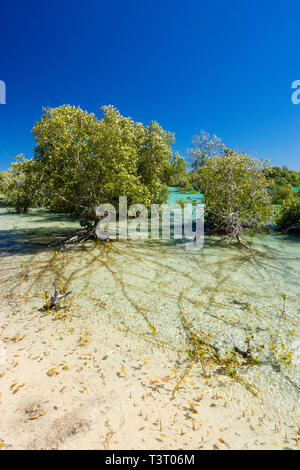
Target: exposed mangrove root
{"points": [[81, 237], [119, 261], [230, 238], [245, 354], [207, 354], [55, 297], [242, 243], [216, 241], [184, 376]]}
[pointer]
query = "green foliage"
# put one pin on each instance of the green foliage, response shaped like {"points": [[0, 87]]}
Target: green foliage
{"points": [[194, 180], [81, 162], [235, 195], [184, 185], [20, 185], [281, 193], [283, 176], [191, 353], [281, 354], [177, 172], [232, 373], [3, 181], [46, 298], [289, 213], [282, 183]]}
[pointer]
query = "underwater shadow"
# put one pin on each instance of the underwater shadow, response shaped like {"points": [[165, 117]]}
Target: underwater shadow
{"points": [[29, 241]]}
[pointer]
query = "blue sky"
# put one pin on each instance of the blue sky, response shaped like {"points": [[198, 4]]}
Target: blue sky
{"points": [[223, 66]]}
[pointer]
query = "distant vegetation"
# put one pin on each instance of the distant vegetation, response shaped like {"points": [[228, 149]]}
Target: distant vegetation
{"points": [[284, 185], [289, 214]]}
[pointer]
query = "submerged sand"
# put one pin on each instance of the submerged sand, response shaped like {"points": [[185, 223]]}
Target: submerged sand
{"points": [[65, 386], [100, 372]]}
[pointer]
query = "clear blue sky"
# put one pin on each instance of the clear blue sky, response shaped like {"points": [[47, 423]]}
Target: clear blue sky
{"points": [[223, 66]]}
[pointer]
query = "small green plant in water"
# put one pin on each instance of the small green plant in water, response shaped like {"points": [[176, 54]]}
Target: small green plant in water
{"points": [[282, 356], [284, 305], [46, 297], [191, 352], [232, 373]]}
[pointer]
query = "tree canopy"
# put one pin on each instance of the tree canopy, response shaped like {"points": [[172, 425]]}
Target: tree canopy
{"points": [[81, 161], [20, 185], [205, 146], [235, 194]]}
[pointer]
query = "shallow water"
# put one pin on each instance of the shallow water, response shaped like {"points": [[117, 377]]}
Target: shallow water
{"points": [[153, 289], [175, 196]]}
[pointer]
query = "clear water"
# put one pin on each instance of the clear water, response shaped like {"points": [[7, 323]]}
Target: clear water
{"points": [[148, 287], [175, 196]]}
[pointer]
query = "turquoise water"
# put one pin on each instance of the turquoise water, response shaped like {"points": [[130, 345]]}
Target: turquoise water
{"points": [[149, 287], [175, 196]]}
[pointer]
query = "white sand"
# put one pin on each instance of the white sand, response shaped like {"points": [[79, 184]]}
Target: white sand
{"points": [[100, 394]]}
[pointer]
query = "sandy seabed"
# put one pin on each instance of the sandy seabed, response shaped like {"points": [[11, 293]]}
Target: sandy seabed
{"points": [[77, 378], [65, 386]]}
